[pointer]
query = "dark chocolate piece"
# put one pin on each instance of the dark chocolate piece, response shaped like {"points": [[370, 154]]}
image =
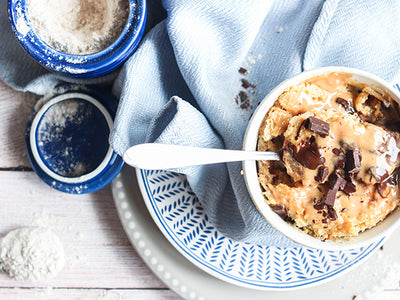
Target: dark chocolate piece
{"points": [[330, 197], [317, 126], [322, 173], [353, 161], [344, 209], [308, 155], [336, 181], [243, 71], [349, 188], [346, 105], [280, 210]]}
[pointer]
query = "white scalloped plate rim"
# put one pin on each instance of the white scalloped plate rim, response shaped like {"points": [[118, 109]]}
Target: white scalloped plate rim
{"points": [[216, 271]]}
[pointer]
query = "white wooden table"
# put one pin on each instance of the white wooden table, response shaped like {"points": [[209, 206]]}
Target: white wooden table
{"points": [[101, 262]]}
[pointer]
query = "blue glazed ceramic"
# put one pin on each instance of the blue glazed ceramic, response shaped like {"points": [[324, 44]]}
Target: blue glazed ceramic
{"points": [[181, 218], [79, 66], [67, 139]]}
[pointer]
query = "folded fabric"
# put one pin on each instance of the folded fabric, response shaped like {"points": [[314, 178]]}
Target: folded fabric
{"points": [[182, 84], [196, 54]]}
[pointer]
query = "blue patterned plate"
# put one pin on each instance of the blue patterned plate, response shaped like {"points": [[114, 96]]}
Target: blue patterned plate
{"points": [[179, 215]]}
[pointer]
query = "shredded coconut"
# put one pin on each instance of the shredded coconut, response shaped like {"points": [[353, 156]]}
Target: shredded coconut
{"points": [[78, 26], [31, 253]]}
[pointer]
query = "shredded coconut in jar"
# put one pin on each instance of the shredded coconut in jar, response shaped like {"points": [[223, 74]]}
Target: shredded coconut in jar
{"points": [[78, 26], [31, 253]]}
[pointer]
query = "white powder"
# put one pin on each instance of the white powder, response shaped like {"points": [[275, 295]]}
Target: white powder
{"points": [[31, 253], [78, 26]]}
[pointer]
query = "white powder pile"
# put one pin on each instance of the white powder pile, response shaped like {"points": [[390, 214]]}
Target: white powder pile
{"points": [[78, 26], [31, 253]]}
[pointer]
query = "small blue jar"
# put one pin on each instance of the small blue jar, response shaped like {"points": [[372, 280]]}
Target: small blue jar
{"points": [[66, 138], [79, 66]]}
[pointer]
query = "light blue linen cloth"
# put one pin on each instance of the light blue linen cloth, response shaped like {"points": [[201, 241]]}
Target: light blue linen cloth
{"points": [[180, 85]]}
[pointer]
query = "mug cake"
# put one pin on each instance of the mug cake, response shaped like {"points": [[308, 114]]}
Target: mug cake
{"points": [[339, 140]]}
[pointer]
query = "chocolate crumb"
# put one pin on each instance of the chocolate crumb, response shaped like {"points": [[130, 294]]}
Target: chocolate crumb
{"points": [[381, 248], [246, 84], [336, 151], [332, 213], [243, 71], [280, 210], [243, 100], [319, 205], [346, 105], [344, 209], [318, 126], [325, 220], [322, 173]]}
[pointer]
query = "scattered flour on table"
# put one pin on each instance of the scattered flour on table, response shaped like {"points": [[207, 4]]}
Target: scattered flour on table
{"points": [[31, 253], [78, 26]]}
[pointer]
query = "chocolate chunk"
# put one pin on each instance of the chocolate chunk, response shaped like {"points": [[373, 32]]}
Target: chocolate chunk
{"points": [[322, 173], [308, 155], [280, 210], [339, 164], [346, 105], [349, 188], [353, 161], [318, 126], [332, 213], [336, 181], [243, 71], [331, 197]]}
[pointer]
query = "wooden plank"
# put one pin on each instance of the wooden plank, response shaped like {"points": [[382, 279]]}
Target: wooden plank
{"points": [[98, 253], [15, 108], [71, 294]]}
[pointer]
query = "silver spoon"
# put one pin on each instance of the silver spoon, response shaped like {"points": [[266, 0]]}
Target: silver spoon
{"points": [[164, 156]]}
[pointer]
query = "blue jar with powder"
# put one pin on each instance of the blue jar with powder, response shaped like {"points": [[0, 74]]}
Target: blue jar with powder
{"points": [[86, 65], [66, 138]]}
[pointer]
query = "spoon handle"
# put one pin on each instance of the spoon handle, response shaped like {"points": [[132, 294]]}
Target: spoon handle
{"points": [[163, 156]]}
